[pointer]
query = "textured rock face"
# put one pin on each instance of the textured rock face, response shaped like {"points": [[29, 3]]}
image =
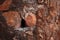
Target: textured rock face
{"points": [[41, 18]]}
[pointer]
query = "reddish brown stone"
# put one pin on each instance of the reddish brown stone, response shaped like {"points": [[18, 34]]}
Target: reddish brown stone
{"points": [[12, 18], [5, 5], [30, 20]]}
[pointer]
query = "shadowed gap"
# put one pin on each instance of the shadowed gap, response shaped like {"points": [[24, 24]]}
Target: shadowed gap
{"points": [[23, 23]]}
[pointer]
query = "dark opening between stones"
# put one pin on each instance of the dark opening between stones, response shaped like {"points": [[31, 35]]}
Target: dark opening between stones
{"points": [[2, 1], [23, 23]]}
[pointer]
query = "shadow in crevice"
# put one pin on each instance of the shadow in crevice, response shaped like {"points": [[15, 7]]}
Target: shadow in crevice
{"points": [[23, 23]]}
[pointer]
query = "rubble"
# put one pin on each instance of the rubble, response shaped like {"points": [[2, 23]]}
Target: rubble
{"points": [[41, 20]]}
